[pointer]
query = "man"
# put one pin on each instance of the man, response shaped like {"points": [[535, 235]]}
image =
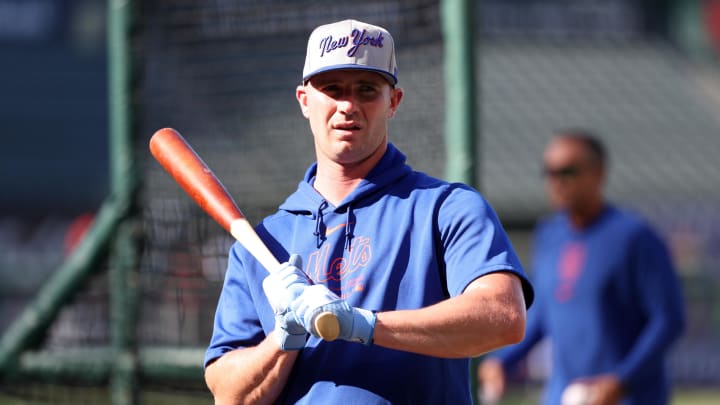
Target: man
{"points": [[418, 272], [607, 294]]}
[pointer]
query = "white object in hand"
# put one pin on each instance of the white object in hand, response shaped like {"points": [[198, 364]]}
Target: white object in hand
{"points": [[489, 396], [576, 394]]}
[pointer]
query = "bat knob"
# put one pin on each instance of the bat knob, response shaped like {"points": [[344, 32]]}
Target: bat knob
{"points": [[327, 326]]}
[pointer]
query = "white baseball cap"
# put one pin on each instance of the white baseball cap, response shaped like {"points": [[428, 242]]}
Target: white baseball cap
{"points": [[351, 44]]}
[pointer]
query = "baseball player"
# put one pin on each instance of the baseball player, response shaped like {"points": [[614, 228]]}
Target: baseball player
{"points": [[607, 293], [419, 272]]}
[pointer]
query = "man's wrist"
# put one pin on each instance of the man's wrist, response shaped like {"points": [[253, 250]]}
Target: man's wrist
{"points": [[363, 327]]}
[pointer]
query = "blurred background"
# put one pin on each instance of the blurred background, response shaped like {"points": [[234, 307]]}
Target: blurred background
{"points": [[643, 74]]}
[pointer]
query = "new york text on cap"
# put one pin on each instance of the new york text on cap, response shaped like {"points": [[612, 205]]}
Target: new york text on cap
{"points": [[351, 44]]}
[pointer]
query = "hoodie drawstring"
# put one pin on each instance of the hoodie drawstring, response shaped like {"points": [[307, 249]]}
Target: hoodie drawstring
{"points": [[319, 226], [348, 228], [319, 232]]}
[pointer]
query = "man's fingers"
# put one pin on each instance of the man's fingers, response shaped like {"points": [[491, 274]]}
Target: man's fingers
{"points": [[296, 261]]}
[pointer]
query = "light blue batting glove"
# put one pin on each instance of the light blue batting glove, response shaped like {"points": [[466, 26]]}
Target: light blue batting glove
{"points": [[289, 333], [281, 287], [285, 284], [356, 324]]}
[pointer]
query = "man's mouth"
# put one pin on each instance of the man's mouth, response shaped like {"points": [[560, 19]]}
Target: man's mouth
{"points": [[347, 126]]}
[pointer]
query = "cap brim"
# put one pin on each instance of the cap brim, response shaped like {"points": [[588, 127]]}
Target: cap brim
{"points": [[387, 75]]}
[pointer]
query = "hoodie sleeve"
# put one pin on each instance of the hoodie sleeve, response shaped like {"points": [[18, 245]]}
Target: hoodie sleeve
{"points": [[661, 299], [474, 241], [236, 321]]}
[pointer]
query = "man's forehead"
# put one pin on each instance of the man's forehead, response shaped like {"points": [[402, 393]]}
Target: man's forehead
{"points": [[562, 148], [349, 76]]}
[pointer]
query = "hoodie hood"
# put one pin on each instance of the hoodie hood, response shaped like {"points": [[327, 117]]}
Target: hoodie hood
{"points": [[307, 201]]}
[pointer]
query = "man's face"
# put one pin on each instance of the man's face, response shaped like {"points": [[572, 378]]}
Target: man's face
{"points": [[572, 178], [348, 111]]}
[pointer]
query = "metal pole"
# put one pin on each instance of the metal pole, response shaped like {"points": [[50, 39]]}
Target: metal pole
{"points": [[460, 88], [124, 181], [123, 315], [122, 165], [461, 105]]}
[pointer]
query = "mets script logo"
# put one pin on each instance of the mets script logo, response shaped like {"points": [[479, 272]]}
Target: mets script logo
{"points": [[341, 274]]}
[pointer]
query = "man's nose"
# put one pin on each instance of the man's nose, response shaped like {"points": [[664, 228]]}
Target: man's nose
{"points": [[347, 104]]}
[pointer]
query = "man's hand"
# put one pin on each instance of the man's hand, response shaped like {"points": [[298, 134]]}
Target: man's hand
{"points": [[356, 324], [285, 284], [282, 287], [289, 334], [606, 389], [491, 380]]}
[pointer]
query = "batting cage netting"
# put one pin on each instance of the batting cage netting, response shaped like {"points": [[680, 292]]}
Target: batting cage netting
{"points": [[223, 73]]}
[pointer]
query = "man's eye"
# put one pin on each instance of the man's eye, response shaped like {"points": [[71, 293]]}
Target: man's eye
{"points": [[331, 88]]}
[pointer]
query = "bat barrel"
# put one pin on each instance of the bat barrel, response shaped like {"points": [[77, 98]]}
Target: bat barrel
{"points": [[187, 168]]}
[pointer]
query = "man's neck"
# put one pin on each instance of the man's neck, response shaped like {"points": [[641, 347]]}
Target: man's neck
{"points": [[335, 181], [582, 218], [335, 189]]}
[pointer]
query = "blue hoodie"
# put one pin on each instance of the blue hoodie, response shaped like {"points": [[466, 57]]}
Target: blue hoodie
{"points": [[400, 240]]}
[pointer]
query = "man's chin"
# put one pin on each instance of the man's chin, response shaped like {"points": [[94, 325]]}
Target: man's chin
{"points": [[560, 205]]}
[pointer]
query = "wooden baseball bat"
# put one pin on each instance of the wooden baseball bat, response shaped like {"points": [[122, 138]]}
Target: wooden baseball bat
{"points": [[187, 168]]}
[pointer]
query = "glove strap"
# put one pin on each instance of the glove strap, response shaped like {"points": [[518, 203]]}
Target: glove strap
{"points": [[363, 326]]}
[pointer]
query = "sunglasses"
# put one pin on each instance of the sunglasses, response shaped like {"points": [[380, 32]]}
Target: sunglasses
{"points": [[565, 172]]}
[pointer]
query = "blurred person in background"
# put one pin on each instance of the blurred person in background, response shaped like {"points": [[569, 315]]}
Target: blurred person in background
{"points": [[608, 297]]}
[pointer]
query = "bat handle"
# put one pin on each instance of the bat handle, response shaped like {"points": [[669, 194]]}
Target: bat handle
{"points": [[325, 323], [327, 326]]}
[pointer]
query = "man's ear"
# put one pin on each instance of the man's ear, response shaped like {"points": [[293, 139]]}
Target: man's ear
{"points": [[301, 96], [396, 96]]}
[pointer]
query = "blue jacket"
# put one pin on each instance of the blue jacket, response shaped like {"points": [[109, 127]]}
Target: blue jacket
{"points": [[401, 240]]}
